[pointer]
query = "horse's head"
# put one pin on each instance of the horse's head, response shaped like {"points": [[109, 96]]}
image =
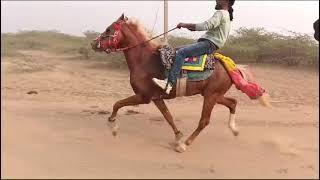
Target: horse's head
{"points": [[110, 39]]}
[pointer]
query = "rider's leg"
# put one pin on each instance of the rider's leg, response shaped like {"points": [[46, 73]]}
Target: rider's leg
{"points": [[197, 49]]}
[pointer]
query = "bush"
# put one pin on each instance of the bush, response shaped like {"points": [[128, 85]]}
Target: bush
{"points": [[90, 35], [246, 45], [261, 46]]}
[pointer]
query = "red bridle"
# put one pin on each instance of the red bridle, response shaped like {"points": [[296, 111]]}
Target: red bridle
{"points": [[110, 43]]}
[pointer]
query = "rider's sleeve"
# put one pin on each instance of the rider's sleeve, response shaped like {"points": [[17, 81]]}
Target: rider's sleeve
{"points": [[211, 23]]}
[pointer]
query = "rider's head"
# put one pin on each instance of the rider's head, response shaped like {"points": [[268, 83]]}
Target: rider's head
{"points": [[226, 5], [222, 4]]}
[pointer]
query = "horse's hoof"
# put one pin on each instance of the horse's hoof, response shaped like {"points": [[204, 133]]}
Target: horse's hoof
{"points": [[111, 119], [178, 137], [235, 133], [114, 127], [182, 147], [114, 133]]}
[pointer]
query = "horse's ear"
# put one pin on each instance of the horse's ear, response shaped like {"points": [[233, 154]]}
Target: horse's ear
{"points": [[125, 18], [122, 17]]}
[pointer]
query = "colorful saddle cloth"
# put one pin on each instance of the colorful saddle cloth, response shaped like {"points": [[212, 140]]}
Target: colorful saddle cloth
{"points": [[200, 63], [201, 68], [195, 68], [195, 63]]}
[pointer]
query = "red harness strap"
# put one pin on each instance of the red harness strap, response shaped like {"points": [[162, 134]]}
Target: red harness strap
{"points": [[112, 43]]}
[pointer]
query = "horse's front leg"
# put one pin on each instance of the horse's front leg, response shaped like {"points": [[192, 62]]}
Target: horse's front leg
{"points": [[167, 115], [130, 101], [208, 104]]}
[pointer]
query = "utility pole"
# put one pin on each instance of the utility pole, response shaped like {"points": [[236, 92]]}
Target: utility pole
{"points": [[165, 20]]}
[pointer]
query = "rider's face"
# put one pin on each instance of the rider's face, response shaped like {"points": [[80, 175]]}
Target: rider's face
{"points": [[221, 3]]}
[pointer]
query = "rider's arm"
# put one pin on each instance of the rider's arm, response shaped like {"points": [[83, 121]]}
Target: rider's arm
{"points": [[211, 23], [191, 27]]}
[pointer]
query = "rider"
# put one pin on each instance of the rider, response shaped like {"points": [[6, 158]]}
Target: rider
{"points": [[316, 30], [217, 27]]}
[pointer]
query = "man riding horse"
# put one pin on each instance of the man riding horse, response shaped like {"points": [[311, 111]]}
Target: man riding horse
{"points": [[218, 29], [145, 63]]}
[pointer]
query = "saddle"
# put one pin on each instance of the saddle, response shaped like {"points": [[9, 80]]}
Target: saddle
{"points": [[193, 69], [200, 63]]}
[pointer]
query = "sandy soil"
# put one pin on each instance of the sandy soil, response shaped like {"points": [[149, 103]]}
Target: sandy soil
{"points": [[61, 131]]}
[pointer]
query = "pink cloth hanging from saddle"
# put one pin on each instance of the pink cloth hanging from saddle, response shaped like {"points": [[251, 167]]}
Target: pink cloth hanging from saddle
{"points": [[251, 89], [241, 77]]}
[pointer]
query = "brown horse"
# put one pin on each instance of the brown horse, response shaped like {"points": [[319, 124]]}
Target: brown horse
{"points": [[144, 63]]}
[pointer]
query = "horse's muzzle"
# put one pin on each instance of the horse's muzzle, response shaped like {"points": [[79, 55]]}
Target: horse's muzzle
{"points": [[94, 45]]}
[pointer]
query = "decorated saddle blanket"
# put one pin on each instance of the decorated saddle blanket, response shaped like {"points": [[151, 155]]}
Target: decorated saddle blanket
{"points": [[201, 68], [199, 63], [195, 68]]}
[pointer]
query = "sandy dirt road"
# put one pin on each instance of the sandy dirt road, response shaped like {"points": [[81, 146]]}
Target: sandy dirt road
{"points": [[61, 131]]}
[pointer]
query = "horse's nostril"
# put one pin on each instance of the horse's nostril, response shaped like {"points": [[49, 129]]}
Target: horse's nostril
{"points": [[93, 44]]}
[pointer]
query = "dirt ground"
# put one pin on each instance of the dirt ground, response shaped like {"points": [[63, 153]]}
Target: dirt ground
{"points": [[60, 131]]}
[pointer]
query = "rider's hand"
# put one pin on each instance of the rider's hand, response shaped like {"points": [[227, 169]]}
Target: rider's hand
{"points": [[180, 25], [190, 28]]}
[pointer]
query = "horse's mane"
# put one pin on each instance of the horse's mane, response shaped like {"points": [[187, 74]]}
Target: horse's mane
{"points": [[142, 33]]}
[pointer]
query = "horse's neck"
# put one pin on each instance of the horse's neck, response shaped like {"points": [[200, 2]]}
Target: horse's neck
{"points": [[142, 60], [138, 57]]}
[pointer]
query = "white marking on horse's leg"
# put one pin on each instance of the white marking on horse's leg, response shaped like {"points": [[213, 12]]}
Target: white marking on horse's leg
{"points": [[232, 124], [181, 147], [179, 137], [114, 127]]}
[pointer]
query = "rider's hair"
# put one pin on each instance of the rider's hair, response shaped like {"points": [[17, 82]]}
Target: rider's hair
{"points": [[231, 2], [230, 13]]}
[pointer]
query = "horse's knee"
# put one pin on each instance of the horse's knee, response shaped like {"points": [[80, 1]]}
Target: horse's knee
{"points": [[233, 106], [116, 106], [203, 124], [234, 102], [145, 100]]}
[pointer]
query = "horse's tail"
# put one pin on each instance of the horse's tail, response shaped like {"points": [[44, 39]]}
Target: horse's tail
{"points": [[243, 79], [264, 100], [247, 75]]}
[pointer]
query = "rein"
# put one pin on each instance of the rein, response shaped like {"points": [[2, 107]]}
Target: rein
{"points": [[130, 47]]}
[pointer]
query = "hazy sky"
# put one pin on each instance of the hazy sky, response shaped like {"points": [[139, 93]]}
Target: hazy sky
{"points": [[75, 17]]}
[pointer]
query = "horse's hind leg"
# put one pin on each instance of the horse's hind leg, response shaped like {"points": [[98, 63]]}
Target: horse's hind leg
{"points": [[130, 101], [167, 115], [208, 104], [230, 103]]}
